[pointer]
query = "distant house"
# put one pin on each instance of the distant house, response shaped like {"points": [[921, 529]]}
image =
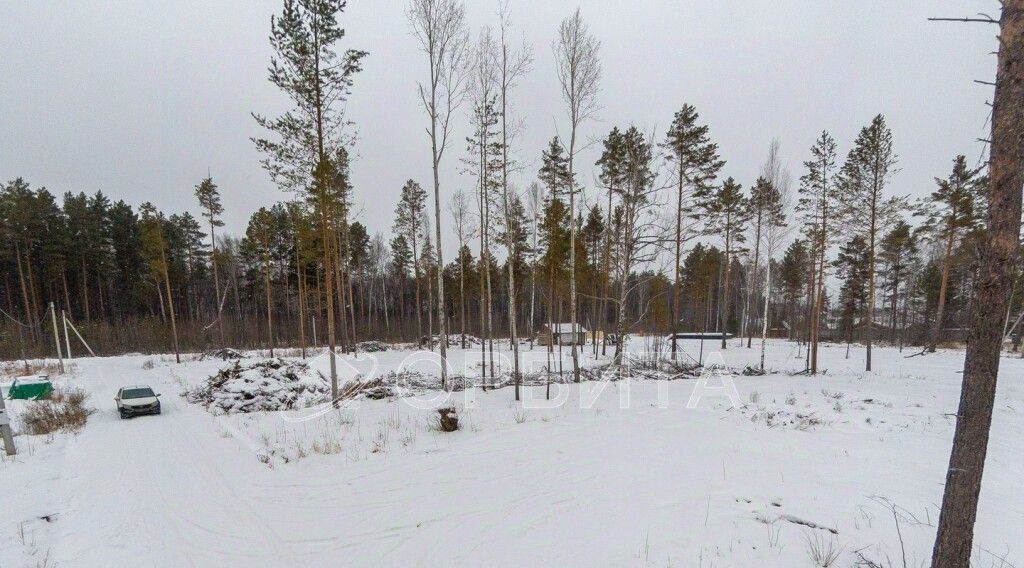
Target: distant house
{"points": [[699, 335], [561, 333]]}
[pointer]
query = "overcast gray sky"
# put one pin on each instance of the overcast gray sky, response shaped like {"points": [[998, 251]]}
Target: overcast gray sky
{"points": [[140, 98]]}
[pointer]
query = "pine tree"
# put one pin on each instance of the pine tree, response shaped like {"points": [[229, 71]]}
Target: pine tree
{"points": [[951, 211], [154, 250], [818, 208], [611, 177], [896, 253], [409, 215], [260, 236], [695, 158], [865, 174], [555, 232], [209, 200], [853, 268], [726, 213], [792, 270], [310, 137]]}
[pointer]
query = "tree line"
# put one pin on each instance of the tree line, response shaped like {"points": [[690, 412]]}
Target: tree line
{"points": [[113, 267]]}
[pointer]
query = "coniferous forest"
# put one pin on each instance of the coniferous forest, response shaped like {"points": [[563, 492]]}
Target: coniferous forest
{"points": [[797, 253]]}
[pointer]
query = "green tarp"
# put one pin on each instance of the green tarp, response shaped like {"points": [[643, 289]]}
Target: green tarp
{"points": [[30, 388]]}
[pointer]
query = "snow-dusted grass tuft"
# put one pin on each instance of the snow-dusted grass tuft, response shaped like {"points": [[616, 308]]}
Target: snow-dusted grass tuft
{"points": [[823, 551], [447, 420]]}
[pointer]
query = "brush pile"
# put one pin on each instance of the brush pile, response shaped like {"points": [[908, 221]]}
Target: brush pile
{"points": [[267, 385]]}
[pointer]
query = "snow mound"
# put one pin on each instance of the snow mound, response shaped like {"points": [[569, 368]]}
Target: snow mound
{"points": [[267, 385]]}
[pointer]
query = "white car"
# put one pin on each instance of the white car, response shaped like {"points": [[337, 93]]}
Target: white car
{"points": [[137, 400]]}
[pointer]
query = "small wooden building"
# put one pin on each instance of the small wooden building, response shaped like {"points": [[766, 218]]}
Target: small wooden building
{"points": [[561, 334]]}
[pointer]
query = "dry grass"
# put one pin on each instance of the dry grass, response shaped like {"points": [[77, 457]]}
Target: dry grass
{"points": [[63, 411], [823, 552], [34, 367]]}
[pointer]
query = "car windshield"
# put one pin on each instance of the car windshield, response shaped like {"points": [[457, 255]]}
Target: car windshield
{"points": [[137, 393]]}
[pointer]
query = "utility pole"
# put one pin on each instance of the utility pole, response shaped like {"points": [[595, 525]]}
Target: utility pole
{"points": [[56, 338], [5, 429], [67, 342]]}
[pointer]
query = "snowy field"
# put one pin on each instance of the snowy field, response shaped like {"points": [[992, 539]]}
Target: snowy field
{"points": [[618, 474]]}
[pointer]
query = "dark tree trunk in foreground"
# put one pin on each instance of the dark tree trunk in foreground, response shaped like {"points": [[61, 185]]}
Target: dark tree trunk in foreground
{"points": [[953, 542]]}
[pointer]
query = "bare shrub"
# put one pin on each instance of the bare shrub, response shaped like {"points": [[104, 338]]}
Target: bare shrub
{"points": [[63, 411], [34, 367], [147, 364], [447, 419]]}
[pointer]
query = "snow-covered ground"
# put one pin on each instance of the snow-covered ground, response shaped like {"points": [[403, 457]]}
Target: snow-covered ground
{"points": [[619, 473]]}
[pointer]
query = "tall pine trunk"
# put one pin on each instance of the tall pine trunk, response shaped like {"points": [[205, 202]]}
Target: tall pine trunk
{"points": [[870, 308], [216, 284], [953, 543], [937, 326], [676, 278], [170, 305], [270, 305]]}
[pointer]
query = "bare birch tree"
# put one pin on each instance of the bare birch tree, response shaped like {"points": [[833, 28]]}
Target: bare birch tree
{"points": [[762, 200], [459, 208], [512, 64], [636, 214], [483, 161], [775, 202], [440, 27], [535, 202], [579, 74]]}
